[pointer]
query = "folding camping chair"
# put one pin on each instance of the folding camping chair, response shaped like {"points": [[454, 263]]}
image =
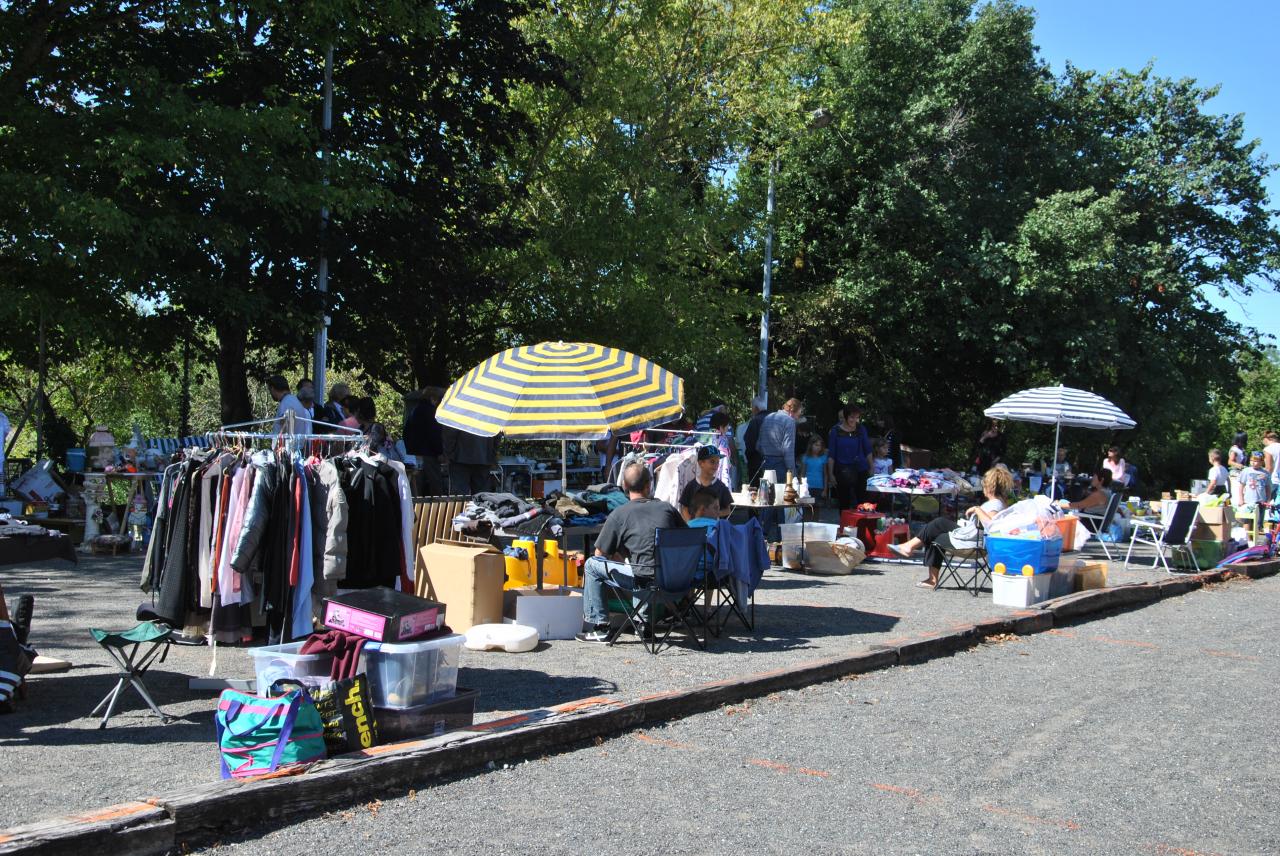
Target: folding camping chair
{"points": [[1101, 523], [967, 566], [1176, 534], [149, 641], [672, 590]]}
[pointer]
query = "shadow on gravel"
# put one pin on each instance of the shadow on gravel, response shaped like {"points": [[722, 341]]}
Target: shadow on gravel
{"points": [[58, 700], [526, 689], [809, 621]]}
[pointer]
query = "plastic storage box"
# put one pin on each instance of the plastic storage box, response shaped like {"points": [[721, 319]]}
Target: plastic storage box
{"points": [[1016, 553], [410, 674], [276, 662], [1019, 591], [814, 553], [426, 720]]}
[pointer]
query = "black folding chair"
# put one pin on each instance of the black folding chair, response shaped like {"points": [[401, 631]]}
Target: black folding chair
{"points": [[655, 607], [967, 566], [1101, 523], [1176, 534]]}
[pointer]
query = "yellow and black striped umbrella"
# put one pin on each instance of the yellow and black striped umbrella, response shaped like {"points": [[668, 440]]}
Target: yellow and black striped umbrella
{"points": [[561, 391]]}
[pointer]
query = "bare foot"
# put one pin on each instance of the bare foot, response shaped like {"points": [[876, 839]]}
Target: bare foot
{"points": [[925, 584]]}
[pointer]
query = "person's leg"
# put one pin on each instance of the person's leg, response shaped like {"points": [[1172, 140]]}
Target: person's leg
{"points": [[932, 530], [844, 488], [859, 488], [933, 557], [594, 611], [769, 518]]}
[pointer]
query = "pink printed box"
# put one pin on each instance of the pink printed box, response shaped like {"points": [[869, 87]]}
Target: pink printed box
{"points": [[383, 614]]}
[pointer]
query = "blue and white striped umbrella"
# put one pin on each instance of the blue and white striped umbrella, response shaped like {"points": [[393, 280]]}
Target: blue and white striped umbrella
{"points": [[1058, 406]]}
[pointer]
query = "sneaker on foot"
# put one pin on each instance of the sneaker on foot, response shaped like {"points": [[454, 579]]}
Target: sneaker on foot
{"points": [[598, 635]]}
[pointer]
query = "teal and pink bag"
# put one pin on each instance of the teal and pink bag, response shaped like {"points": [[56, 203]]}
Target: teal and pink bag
{"points": [[261, 735]]}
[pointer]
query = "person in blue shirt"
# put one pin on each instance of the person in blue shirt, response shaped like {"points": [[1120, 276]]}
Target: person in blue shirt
{"points": [[704, 514], [815, 466], [849, 457]]}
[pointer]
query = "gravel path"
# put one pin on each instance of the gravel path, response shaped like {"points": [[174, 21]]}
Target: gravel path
{"points": [[69, 765], [1145, 732]]}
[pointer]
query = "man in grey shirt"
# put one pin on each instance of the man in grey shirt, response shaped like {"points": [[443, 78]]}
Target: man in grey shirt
{"points": [[777, 443], [777, 447]]}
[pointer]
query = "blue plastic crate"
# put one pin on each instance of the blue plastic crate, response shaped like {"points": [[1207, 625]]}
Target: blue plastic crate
{"points": [[1016, 553]]}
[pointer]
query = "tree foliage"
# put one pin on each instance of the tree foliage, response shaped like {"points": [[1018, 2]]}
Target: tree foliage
{"points": [[968, 224]]}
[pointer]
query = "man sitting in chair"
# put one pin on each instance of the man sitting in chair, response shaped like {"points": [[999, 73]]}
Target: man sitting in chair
{"points": [[627, 535]]}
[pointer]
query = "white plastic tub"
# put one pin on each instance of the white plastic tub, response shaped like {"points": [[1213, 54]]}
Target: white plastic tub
{"points": [[1019, 591], [276, 662], [791, 532], [409, 674]]}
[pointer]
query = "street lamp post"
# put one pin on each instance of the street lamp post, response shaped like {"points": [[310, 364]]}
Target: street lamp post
{"points": [[763, 390], [819, 118]]}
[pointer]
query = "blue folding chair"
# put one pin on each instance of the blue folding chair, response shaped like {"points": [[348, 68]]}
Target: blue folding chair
{"points": [[668, 600]]}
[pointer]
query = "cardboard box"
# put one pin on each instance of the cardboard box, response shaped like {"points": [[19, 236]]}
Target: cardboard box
{"points": [[555, 612], [466, 579], [1214, 524], [1090, 575], [383, 614]]}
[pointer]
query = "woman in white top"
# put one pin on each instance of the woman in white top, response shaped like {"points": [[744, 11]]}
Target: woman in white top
{"points": [[1117, 467], [943, 533]]}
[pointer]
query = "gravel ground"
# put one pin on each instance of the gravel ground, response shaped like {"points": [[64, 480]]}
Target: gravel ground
{"points": [[1137, 733], [69, 765]]}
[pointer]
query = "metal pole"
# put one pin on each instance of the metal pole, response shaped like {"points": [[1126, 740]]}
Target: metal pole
{"points": [[763, 390], [322, 272], [1053, 482], [40, 401]]}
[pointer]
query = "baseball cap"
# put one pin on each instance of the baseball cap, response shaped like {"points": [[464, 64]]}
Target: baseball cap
{"points": [[707, 452]]}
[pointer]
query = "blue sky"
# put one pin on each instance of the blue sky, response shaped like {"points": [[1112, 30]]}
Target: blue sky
{"points": [[1227, 43]]}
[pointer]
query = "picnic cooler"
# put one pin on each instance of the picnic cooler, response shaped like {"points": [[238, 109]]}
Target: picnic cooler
{"points": [[427, 720], [1043, 555], [272, 663], [413, 673], [807, 546]]}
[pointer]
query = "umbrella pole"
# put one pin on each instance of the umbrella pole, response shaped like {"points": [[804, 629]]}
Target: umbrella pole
{"points": [[1053, 484]]}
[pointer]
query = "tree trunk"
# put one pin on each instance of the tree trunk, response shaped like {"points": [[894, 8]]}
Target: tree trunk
{"points": [[233, 383]]}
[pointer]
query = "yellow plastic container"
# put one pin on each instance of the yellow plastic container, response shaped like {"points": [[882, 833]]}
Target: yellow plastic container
{"points": [[519, 573]]}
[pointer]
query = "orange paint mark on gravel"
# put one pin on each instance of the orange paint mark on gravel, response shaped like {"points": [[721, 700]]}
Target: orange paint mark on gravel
{"points": [[779, 767], [660, 741], [1170, 850], [897, 789], [1031, 818], [1067, 634], [1232, 655]]}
